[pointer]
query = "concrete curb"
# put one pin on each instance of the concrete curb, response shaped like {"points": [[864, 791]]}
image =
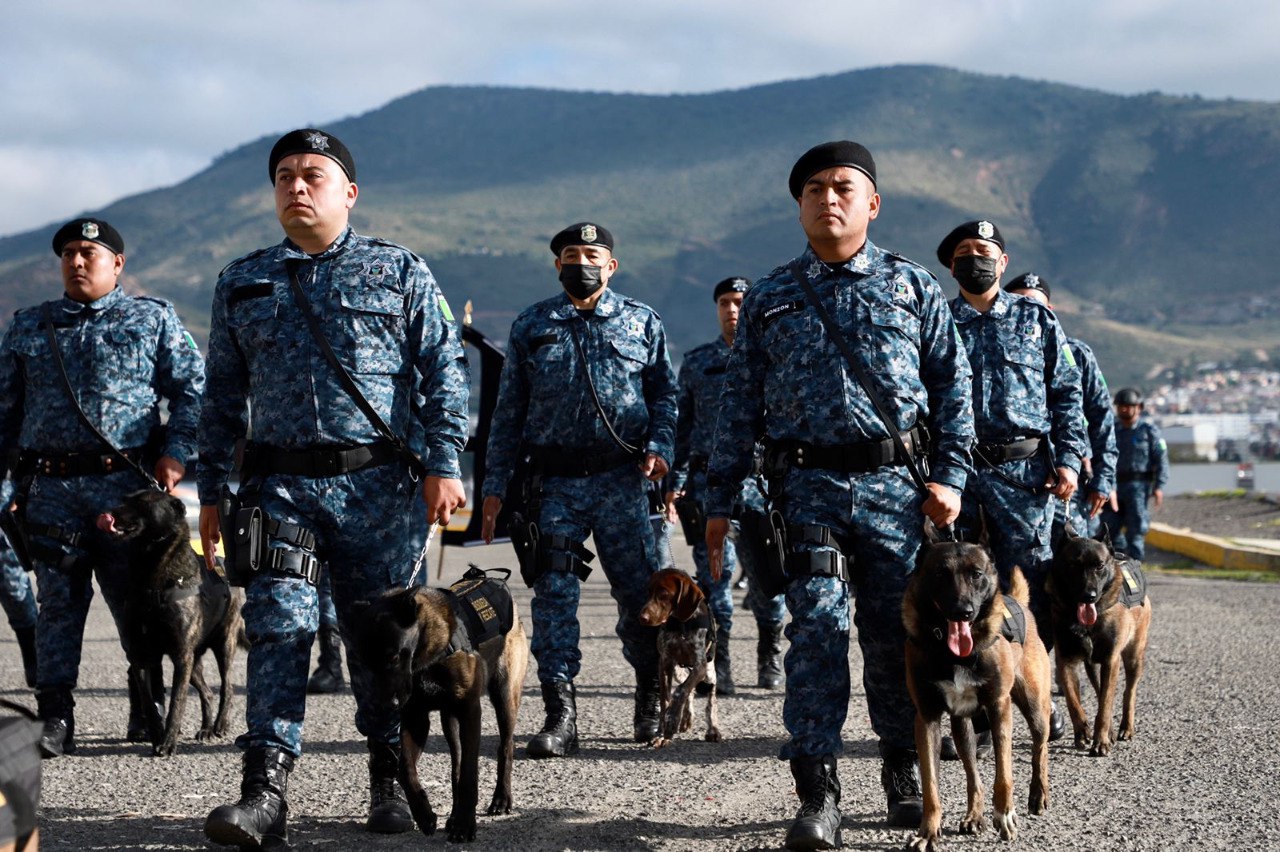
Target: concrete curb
{"points": [[1210, 550]]}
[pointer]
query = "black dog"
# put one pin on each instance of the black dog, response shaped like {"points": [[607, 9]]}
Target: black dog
{"points": [[435, 649], [175, 606]]}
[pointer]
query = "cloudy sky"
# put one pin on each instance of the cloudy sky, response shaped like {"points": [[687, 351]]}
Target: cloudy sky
{"points": [[104, 99]]}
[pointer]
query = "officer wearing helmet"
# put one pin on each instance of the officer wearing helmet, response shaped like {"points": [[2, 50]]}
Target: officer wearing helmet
{"points": [[1141, 472]]}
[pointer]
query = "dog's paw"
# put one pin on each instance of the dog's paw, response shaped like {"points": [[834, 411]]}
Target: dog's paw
{"points": [[1126, 731], [1038, 801], [659, 741], [499, 805], [165, 748], [1007, 825], [926, 842], [428, 826], [460, 830], [1083, 740], [713, 735], [973, 823], [1101, 748], [204, 735]]}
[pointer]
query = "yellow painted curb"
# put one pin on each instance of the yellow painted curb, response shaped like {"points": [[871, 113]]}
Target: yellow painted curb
{"points": [[1210, 550]]}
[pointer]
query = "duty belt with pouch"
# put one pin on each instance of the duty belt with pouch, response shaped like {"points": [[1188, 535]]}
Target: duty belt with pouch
{"points": [[859, 457], [693, 522], [782, 565], [246, 536], [1000, 452]]}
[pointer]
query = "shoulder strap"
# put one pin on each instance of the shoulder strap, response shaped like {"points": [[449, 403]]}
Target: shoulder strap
{"points": [[47, 315], [586, 371], [870, 389], [344, 378]]}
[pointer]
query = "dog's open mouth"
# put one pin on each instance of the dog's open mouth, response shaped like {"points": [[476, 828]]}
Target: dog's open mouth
{"points": [[107, 523], [960, 638], [1087, 614]]}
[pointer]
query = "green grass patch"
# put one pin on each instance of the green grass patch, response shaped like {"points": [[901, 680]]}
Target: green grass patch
{"points": [[1187, 568]]}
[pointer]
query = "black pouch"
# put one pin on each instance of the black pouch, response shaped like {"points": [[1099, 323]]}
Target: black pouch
{"points": [[248, 541], [228, 506], [772, 577], [692, 520], [524, 538]]}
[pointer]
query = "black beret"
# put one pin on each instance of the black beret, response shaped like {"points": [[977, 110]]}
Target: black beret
{"points": [[308, 140], [828, 155], [979, 229], [1029, 281], [581, 234], [93, 230], [737, 284]]}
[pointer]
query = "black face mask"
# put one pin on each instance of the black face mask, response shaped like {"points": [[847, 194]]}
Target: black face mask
{"points": [[976, 274], [580, 280]]}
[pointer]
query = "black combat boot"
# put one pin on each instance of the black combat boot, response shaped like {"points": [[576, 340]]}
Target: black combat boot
{"points": [[559, 734], [327, 678], [769, 655], [388, 809], [56, 709], [27, 645], [645, 723], [724, 672], [900, 777], [1057, 725], [817, 823], [260, 819]]}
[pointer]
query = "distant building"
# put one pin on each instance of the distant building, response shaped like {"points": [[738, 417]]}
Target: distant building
{"points": [[1193, 442]]}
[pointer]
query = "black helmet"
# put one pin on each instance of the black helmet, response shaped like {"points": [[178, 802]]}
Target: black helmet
{"points": [[1129, 396]]}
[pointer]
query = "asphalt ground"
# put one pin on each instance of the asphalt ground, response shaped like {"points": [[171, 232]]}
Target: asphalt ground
{"points": [[1199, 775]]}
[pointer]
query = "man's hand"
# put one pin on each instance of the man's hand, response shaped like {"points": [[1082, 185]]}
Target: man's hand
{"points": [[1066, 485], [1114, 501], [1096, 501], [169, 472], [653, 467], [1158, 494], [210, 535], [489, 517], [442, 496], [717, 532], [942, 505], [670, 499]]}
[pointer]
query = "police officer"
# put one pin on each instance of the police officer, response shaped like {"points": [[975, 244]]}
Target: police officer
{"points": [[1100, 467], [17, 597], [122, 354], [849, 501], [701, 380], [588, 402], [332, 487], [1141, 473]]}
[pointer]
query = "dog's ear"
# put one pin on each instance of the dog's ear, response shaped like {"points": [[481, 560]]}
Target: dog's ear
{"points": [[1104, 536], [178, 508], [1068, 530], [404, 607], [931, 534], [688, 597]]}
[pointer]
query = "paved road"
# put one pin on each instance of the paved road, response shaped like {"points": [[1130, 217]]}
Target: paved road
{"points": [[1201, 774]]}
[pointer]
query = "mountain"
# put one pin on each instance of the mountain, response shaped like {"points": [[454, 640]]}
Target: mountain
{"points": [[1143, 211]]}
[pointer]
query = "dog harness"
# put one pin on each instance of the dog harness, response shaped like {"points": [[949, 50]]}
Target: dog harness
{"points": [[482, 610], [1134, 589], [1014, 626], [702, 620]]}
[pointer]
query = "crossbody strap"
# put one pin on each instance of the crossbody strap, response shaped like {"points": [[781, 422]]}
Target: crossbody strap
{"points": [[344, 378], [586, 371], [47, 315]]}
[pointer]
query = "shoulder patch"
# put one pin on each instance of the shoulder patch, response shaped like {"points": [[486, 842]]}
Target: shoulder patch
{"points": [[191, 341], [1068, 355], [444, 308]]}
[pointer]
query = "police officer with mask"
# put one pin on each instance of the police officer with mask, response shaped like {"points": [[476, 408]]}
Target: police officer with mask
{"points": [[122, 355], [853, 513], [1027, 410], [701, 380], [331, 486], [587, 408], [1141, 472]]}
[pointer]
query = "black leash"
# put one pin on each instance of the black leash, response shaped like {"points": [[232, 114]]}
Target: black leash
{"points": [[47, 315], [872, 393]]}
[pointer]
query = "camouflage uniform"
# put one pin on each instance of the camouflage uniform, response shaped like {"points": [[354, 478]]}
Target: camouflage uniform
{"points": [[1143, 468], [1025, 384], [122, 354], [16, 595], [544, 402], [786, 380], [701, 380], [1101, 425], [388, 323]]}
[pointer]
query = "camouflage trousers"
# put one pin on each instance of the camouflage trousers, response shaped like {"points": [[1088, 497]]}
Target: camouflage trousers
{"points": [[1128, 527], [1019, 525], [364, 526], [16, 595], [64, 594], [613, 508], [876, 516]]}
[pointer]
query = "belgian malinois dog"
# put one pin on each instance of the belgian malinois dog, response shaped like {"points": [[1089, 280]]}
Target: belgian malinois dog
{"points": [[971, 649], [1101, 618]]}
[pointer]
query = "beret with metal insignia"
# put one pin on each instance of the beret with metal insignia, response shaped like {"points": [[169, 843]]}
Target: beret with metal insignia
{"points": [[308, 140], [93, 230], [737, 284], [581, 234], [980, 229], [828, 155], [1029, 281]]}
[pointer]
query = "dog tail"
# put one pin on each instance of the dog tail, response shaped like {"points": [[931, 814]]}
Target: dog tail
{"points": [[242, 638], [1018, 588]]}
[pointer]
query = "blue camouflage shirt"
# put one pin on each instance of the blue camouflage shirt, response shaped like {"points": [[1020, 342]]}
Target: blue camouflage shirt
{"points": [[544, 400], [389, 325], [122, 354], [1099, 419], [1025, 380], [786, 380], [1143, 450]]}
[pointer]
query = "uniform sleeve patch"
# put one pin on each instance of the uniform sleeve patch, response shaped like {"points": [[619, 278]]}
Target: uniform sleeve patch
{"points": [[191, 341], [1070, 358], [444, 308]]}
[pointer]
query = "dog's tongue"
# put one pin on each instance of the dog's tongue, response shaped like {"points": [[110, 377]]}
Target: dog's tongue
{"points": [[1087, 614], [106, 522], [959, 638]]}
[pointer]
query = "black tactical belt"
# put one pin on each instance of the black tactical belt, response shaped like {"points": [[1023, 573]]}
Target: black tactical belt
{"points": [[998, 453], [38, 463], [862, 457], [317, 463], [551, 461], [295, 563], [1136, 476]]}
